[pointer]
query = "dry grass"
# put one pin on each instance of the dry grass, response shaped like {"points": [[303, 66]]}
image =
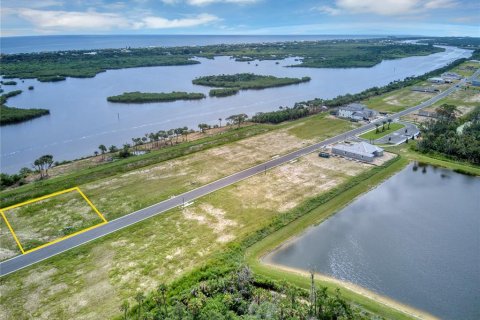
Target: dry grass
{"points": [[164, 247], [47, 220]]}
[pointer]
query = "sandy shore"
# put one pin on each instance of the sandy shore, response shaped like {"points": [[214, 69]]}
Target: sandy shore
{"points": [[415, 313]]}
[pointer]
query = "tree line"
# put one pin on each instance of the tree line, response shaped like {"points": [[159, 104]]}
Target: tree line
{"points": [[445, 135]]}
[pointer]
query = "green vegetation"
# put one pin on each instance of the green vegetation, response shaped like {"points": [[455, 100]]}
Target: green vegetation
{"points": [[43, 187], [247, 81], [378, 133], [47, 220], [441, 135], [203, 293], [281, 115], [320, 127], [377, 91], [462, 42], [225, 92], [239, 294], [9, 83], [55, 66], [10, 115], [143, 97]]}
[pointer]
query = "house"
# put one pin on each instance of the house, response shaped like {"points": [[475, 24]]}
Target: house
{"points": [[356, 111], [425, 89], [428, 114], [362, 151], [451, 76], [436, 80]]}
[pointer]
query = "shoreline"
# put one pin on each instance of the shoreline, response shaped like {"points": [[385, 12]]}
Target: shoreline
{"points": [[378, 298]]}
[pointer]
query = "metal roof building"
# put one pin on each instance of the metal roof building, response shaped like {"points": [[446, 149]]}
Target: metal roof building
{"points": [[362, 151]]}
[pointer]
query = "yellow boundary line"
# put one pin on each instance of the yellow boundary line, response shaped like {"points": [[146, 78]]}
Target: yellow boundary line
{"points": [[12, 232], [2, 212]]}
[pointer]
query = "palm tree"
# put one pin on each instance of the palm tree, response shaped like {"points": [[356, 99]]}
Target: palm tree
{"points": [[162, 291], [220, 120], [124, 308], [139, 297], [389, 121], [384, 123], [95, 153], [376, 127], [103, 149]]}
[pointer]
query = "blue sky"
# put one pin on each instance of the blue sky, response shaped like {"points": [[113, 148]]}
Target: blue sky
{"points": [[396, 17]]}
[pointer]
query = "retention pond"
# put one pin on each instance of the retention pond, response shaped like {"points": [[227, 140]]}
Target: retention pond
{"points": [[415, 238]]}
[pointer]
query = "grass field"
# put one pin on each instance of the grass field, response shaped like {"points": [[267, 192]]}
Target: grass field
{"points": [[164, 247], [373, 134], [397, 100], [50, 219]]}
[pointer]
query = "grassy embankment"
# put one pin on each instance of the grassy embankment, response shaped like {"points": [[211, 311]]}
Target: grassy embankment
{"points": [[245, 81], [315, 215], [145, 97], [10, 115], [409, 152], [56, 66], [373, 134]]}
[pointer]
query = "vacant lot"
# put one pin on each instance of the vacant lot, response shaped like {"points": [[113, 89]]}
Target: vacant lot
{"points": [[398, 100], [162, 248], [49, 219]]}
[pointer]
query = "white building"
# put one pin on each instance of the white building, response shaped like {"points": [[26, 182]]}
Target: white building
{"points": [[356, 111], [436, 80], [362, 151]]}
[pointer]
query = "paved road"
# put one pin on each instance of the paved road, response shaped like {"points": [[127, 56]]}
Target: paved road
{"points": [[28, 259]]}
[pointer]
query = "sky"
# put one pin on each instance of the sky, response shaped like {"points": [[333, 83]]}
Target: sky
{"points": [[245, 17]]}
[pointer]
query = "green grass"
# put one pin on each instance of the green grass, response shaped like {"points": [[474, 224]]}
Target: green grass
{"points": [[144, 97], [43, 187], [319, 126], [373, 134], [47, 220], [397, 100], [408, 152]]}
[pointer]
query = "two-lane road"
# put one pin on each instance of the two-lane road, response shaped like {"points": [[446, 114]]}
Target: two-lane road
{"points": [[28, 259]]}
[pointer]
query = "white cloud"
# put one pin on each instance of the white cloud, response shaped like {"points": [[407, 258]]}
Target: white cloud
{"points": [[386, 7], [208, 2], [328, 10], [57, 20], [47, 19], [162, 23]]}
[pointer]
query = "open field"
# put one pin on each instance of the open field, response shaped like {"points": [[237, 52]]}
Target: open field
{"points": [[465, 99], [166, 246], [397, 100], [466, 69], [124, 193], [373, 134], [47, 220]]}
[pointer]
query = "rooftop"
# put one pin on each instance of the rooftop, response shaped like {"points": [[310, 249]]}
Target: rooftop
{"points": [[354, 107], [362, 148]]}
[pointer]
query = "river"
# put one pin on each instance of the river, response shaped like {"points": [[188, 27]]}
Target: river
{"points": [[81, 118], [415, 238]]}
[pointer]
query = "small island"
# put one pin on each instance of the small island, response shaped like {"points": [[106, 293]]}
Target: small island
{"points": [[10, 115], [224, 92], [247, 81], [9, 83], [146, 97]]}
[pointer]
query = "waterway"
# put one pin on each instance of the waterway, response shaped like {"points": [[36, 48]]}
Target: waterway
{"points": [[81, 118], [415, 238]]}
